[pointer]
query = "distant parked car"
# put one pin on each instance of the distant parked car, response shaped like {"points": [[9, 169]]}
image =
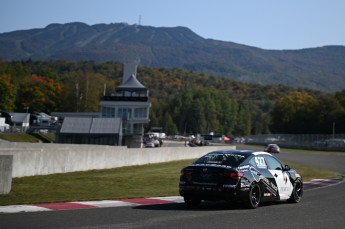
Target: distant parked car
{"points": [[42, 119], [8, 117], [149, 143], [272, 148], [153, 142]]}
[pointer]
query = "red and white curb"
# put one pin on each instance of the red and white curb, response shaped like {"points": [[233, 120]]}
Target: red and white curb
{"points": [[321, 181], [90, 204]]}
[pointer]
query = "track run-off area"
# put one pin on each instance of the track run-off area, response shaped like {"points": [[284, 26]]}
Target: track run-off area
{"points": [[322, 206], [315, 183]]}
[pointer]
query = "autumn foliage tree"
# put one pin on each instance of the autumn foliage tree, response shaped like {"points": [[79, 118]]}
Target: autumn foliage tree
{"points": [[296, 112], [206, 110], [182, 101], [7, 92], [39, 93], [84, 90]]}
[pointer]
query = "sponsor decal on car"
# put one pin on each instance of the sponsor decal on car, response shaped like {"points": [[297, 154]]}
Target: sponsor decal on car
{"points": [[284, 189], [259, 177], [286, 177], [244, 168], [229, 186], [211, 165]]}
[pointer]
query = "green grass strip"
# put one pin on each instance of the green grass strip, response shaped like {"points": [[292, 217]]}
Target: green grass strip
{"points": [[153, 180], [18, 137]]}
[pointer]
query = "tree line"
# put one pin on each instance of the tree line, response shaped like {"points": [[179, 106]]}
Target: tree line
{"points": [[183, 102]]}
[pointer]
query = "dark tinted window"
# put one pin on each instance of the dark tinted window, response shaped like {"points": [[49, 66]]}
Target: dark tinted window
{"points": [[221, 159], [252, 162], [273, 163]]}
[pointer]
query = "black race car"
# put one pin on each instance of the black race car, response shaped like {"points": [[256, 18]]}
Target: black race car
{"points": [[239, 176]]}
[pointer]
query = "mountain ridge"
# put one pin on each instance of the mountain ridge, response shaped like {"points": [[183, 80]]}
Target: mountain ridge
{"points": [[321, 68]]}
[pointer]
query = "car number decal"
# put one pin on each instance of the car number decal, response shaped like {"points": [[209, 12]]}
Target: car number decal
{"points": [[260, 162]]}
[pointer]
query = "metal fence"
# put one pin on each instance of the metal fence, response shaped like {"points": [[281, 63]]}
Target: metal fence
{"points": [[329, 142], [13, 129], [31, 129]]}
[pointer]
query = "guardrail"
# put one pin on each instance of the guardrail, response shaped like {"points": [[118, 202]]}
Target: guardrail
{"points": [[329, 142]]}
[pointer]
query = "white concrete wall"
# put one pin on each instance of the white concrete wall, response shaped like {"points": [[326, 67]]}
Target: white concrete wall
{"points": [[30, 159]]}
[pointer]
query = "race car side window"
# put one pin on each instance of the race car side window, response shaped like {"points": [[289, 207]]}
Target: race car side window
{"points": [[260, 162], [273, 163], [252, 162]]}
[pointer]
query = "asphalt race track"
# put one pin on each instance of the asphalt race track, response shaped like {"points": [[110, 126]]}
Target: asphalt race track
{"points": [[321, 207]]}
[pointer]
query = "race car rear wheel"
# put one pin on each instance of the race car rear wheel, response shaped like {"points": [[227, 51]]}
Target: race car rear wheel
{"points": [[192, 202], [254, 197], [297, 192]]}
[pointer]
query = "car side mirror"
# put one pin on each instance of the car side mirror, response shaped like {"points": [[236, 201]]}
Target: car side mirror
{"points": [[287, 168]]}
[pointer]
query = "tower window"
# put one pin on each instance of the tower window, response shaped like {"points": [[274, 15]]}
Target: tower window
{"points": [[140, 112]]}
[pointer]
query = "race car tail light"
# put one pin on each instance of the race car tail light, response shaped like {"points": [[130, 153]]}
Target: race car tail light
{"points": [[186, 172], [236, 175]]}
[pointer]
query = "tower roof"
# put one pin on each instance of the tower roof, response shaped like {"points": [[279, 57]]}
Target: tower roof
{"points": [[131, 84]]}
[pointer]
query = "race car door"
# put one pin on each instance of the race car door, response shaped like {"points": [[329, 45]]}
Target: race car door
{"points": [[282, 177]]}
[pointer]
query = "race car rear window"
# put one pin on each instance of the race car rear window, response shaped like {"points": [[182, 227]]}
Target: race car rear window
{"points": [[221, 159]]}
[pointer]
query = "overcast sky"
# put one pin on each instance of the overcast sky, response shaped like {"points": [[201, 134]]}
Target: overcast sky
{"points": [[267, 24]]}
